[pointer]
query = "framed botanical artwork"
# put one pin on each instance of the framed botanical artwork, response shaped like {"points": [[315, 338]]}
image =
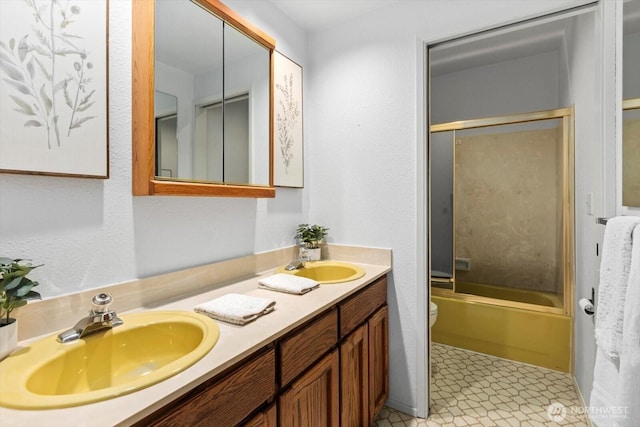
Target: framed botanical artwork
{"points": [[288, 168], [53, 86]]}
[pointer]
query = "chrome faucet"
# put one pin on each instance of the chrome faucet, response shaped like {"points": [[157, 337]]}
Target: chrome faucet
{"points": [[100, 317], [298, 263]]}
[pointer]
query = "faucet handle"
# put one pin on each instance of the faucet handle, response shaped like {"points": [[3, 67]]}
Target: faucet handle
{"points": [[101, 302]]}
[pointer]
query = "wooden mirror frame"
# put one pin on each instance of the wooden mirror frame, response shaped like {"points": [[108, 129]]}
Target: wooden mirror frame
{"points": [[143, 89]]}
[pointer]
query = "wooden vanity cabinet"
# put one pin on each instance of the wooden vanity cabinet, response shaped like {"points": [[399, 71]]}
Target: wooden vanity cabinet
{"points": [[331, 371]]}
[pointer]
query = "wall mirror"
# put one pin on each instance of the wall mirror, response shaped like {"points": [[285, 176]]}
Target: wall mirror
{"points": [[631, 105], [202, 101]]}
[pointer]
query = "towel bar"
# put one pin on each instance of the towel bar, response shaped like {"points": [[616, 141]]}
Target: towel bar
{"points": [[602, 221]]}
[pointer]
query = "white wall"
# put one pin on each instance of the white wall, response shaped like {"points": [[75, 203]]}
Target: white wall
{"points": [[366, 130], [91, 233], [583, 58]]}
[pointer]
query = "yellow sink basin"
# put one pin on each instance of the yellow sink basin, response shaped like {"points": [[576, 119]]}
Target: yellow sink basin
{"points": [[326, 272], [148, 348]]}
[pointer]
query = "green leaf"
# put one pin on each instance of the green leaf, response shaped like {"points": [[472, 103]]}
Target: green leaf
{"points": [[21, 88], [32, 295], [85, 107], [23, 48], [4, 57], [13, 284], [77, 123], [11, 71], [43, 39], [19, 303], [86, 98], [67, 98], [24, 107], [32, 124], [19, 271], [23, 290], [12, 44]]}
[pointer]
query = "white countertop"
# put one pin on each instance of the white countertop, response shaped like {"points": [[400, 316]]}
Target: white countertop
{"points": [[234, 344]]}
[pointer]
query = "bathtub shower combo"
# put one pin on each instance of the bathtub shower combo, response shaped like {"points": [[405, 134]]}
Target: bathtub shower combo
{"points": [[502, 236]]}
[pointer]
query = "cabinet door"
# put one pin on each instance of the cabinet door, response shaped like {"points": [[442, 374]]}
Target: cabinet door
{"points": [[354, 379], [313, 400], [378, 361], [266, 418]]}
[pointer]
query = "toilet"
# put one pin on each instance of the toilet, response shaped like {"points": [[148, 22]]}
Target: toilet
{"points": [[433, 313]]}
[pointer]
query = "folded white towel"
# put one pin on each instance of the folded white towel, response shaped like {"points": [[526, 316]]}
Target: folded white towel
{"points": [[236, 308], [614, 276], [288, 283]]}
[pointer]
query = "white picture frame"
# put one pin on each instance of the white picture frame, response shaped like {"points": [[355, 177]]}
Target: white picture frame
{"points": [[288, 168]]}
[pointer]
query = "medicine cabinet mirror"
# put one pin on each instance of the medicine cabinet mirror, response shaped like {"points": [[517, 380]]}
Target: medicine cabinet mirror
{"points": [[631, 105], [202, 101]]}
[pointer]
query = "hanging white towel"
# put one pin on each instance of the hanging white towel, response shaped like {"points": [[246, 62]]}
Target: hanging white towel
{"points": [[603, 394], [236, 308], [629, 382], [614, 276], [288, 283]]}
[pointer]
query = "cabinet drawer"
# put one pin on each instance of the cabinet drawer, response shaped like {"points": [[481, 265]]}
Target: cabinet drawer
{"points": [[302, 348], [227, 401], [358, 308]]}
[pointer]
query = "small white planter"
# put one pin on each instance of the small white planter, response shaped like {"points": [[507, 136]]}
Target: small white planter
{"points": [[8, 338], [314, 254]]}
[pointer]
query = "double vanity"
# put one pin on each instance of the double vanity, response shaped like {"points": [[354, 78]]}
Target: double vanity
{"points": [[319, 356]]}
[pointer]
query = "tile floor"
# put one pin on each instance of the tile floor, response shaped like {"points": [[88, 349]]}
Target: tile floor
{"points": [[473, 389]]}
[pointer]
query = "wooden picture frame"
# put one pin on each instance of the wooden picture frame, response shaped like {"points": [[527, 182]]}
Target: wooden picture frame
{"points": [[288, 168], [54, 72]]}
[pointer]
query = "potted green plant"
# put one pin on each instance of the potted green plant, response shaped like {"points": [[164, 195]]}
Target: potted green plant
{"points": [[311, 238], [15, 291]]}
